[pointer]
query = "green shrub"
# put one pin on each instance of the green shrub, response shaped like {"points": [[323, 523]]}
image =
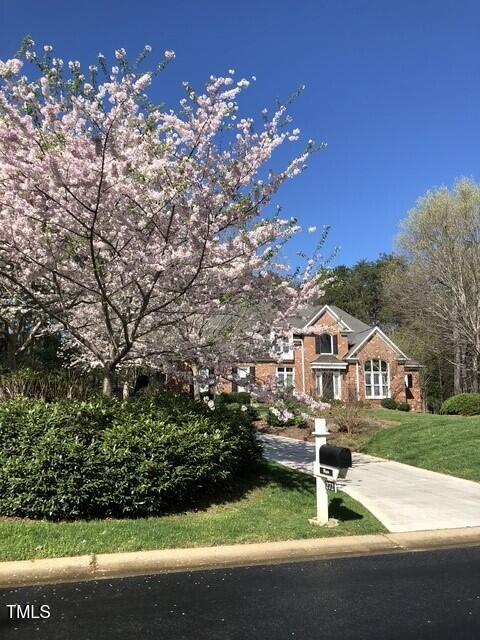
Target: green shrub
{"points": [[240, 397], [403, 406], [112, 458], [50, 385], [464, 404], [275, 421], [251, 411], [389, 403]]}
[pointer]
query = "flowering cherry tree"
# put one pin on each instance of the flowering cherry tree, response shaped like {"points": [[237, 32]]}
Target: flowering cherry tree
{"points": [[123, 223]]}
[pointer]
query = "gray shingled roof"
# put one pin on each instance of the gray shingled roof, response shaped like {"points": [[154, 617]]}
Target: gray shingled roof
{"points": [[359, 329], [354, 323]]}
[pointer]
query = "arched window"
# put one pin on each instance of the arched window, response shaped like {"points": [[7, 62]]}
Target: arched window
{"points": [[377, 384]]}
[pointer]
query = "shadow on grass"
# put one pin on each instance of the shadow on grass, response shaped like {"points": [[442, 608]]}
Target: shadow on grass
{"points": [[259, 474], [340, 512]]}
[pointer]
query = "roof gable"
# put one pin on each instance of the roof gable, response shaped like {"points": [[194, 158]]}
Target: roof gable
{"points": [[376, 331], [359, 333], [333, 314]]}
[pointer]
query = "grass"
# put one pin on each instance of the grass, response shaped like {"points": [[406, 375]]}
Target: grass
{"points": [[273, 503], [448, 444]]}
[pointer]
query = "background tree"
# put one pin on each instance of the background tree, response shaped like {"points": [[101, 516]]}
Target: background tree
{"points": [[358, 290], [437, 290]]}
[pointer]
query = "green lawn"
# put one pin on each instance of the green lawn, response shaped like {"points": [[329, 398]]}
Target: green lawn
{"points": [[274, 503], [448, 444]]}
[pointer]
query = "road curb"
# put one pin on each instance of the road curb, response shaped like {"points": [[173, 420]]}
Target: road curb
{"points": [[96, 567]]}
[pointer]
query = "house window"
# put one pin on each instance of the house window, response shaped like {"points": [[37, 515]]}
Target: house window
{"points": [[376, 379], [326, 344], [409, 380], [204, 380], [241, 378], [285, 376], [243, 374], [284, 349]]}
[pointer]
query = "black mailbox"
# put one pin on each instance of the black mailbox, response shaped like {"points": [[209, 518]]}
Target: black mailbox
{"points": [[339, 457]]}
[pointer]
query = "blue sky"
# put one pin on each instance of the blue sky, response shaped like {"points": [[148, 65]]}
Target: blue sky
{"points": [[392, 87]]}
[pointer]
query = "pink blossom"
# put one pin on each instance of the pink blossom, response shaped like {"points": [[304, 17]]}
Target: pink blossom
{"points": [[10, 67]]}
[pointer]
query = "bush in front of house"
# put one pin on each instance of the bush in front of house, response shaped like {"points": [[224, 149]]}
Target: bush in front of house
{"points": [[464, 404], [389, 403], [403, 406], [237, 397], [279, 417], [283, 417], [250, 410], [112, 458], [349, 417]]}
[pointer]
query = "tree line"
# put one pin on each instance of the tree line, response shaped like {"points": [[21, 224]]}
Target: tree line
{"points": [[426, 295]]}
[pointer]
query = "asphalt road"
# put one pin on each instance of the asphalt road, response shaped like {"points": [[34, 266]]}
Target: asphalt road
{"points": [[421, 595]]}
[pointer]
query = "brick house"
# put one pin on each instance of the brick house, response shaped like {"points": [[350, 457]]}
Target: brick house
{"points": [[337, 356]]}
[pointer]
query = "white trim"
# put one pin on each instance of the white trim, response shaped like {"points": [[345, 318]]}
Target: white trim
{"points": [[319, 384], [286, 366], [329, 365], [372, 384], [339, 386], [326, 353], [331, 312], [303, 367], [384, 337], [245, 370], [357, 375]]}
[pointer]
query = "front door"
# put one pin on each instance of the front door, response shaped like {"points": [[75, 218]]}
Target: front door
{"points": [[327, 385]]}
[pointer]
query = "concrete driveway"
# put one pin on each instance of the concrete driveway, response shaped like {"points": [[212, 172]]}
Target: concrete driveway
{"points": [[402, 497]]}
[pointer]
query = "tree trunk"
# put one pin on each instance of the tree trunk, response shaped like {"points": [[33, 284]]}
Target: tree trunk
{"points": [[11, 337], [195, 385], [463, 371], [107, 382], [475, 371], [457, 385]]}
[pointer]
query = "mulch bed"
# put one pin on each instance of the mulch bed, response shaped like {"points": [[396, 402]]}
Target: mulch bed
{"points": [[304, 433]]}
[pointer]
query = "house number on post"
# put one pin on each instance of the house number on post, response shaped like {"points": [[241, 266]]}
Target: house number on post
{"points": [[330, 463]]}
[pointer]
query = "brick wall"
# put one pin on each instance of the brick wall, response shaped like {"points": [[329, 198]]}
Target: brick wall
{"points": [[377, 349], [331, 326]]}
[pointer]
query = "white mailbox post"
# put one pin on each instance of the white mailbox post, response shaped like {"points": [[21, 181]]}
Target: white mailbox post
{"points": [[330, 464], [320, 434]]}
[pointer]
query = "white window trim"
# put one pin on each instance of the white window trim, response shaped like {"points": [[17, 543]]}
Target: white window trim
{"points": [[282, 378], [327, 353], [329, 365], [246, 373], [380, 397]]}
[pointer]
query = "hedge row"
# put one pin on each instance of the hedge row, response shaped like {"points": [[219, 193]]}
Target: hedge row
{"points": [[111, 458]]}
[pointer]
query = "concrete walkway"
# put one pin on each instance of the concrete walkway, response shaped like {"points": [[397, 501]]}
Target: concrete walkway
{"points": [[402, 497]]}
